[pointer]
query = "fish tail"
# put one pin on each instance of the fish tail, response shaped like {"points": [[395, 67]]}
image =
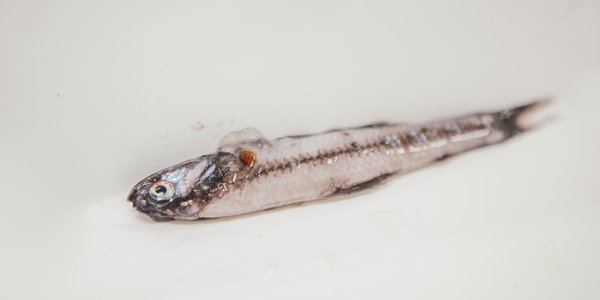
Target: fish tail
{"points": [[516, 120]]}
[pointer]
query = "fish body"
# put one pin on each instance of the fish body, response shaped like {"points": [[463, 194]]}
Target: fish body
{"points": [[250, 173]]}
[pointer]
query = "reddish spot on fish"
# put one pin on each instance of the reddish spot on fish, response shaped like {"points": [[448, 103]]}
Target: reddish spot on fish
{"points": [[248, 158]]}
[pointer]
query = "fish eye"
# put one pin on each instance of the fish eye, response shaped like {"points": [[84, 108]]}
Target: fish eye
{"points": [[161, 191]]}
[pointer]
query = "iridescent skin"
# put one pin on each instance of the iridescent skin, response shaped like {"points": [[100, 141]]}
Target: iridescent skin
{"points": [[250, 173]]}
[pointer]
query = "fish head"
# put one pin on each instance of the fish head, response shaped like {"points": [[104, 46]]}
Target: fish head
{"points": [[182, 191], [172, 193]]}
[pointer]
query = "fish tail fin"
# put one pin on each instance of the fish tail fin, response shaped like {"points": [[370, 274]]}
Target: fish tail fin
{"points": [[516, 120]]}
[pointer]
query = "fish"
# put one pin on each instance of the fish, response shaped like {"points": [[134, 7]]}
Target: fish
{"points": [[249, 173]]}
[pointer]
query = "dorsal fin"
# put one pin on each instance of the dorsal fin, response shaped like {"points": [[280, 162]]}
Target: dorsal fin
{"points": [[245, 137]]}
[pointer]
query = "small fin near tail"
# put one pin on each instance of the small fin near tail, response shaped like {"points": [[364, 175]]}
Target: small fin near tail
{"points": [[516, 120]]}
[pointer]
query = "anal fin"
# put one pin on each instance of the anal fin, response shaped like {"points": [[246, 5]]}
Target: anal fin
{"points": [[361, 186]]}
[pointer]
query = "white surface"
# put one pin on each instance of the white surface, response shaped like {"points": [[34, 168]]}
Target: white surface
{"points": [[96, 95]]}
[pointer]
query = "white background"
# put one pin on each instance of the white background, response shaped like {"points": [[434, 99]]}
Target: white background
{"points": [[95, 95]]}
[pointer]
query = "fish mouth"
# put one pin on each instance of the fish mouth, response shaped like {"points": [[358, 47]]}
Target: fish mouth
{"points": [[131, 197], [142, 205]]}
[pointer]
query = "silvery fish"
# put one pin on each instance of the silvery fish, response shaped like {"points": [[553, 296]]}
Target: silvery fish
{"points": [[249, 173]]}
